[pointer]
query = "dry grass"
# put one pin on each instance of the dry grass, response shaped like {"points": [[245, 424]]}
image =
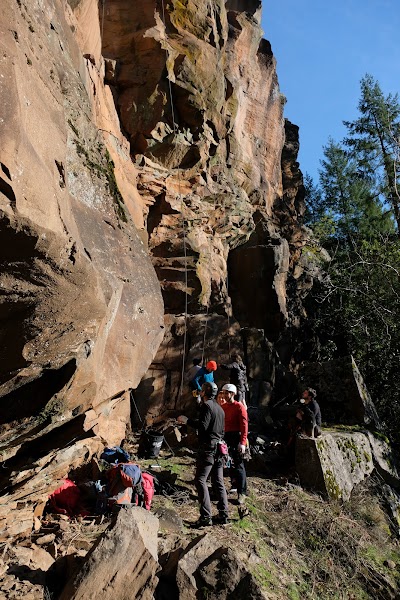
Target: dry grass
{"points": [[299, 546], [296, 544]]}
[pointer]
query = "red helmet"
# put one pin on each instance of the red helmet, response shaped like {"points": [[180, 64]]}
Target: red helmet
{"points": [[211, 365]]}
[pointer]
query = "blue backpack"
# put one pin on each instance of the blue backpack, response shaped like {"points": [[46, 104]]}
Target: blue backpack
{"points": [[114, 455]]}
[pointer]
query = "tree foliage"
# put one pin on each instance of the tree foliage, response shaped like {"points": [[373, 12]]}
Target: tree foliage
{"points": [[354, 212], [374, 139]]}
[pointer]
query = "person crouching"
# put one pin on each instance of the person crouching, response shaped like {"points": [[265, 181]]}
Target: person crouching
{"points": [[210, 428]]}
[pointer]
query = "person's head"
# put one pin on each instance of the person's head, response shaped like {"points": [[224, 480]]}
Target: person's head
{"points": [[308, 395], [196, 361], [209, 391], [236, 357], [211, 365], [221, 398], [229, 390]]}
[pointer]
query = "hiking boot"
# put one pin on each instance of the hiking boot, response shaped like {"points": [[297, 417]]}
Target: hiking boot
{"points": [[241, 499], [202, 522], [220, 520]]}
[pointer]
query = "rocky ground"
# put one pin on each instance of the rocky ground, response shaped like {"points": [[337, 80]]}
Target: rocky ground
{"points": [[293, 544]]}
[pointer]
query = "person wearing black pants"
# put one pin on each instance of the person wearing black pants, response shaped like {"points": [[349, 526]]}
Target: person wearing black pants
{"points": [[210, 427], [236, 430], [237, 468]]}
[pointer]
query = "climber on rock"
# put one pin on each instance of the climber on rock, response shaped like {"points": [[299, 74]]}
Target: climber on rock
{"points": [[236, 430], [210, 429], [192, 372], [237, 376], [203, 375], [310, 413]]}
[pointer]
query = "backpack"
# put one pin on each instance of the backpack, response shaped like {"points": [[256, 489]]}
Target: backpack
{"points": [[128, 485], [122, 476], [114, 455], [241, 376], [238, 374]]}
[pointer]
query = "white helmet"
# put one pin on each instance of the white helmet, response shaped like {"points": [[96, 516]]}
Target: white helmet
{"points": [[229, 387]]}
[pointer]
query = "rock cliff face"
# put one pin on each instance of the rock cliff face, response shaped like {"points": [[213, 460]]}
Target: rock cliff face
{"points": [[217, 171], [144, 159], [81, 308]]}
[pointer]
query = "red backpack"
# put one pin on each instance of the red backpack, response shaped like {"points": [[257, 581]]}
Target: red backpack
{"points": [[128, 485]]}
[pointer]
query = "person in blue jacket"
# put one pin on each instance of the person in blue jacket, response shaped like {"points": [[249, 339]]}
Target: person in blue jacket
{"points": [[203, 375]]}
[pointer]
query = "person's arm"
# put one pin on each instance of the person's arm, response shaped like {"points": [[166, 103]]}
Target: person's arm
{"points": [[227, 367], [244, 424], [196, 379], [318, 416], [309, 415], [204, 418]]}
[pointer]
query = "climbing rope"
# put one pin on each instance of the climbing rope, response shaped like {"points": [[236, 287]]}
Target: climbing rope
{"points": [[204, 335], [228, 309], [102, 27], [219, 180], [183, 229]]}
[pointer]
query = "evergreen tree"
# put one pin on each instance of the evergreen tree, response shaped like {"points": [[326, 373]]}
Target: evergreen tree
{"points": [[356, 308], [346, 204], [374, 138]]}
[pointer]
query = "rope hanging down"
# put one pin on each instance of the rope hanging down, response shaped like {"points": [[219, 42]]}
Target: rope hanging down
{"points": [[183, 228], [185, 244], [102, 26]]}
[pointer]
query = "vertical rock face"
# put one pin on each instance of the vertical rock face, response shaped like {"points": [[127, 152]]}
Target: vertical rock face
{"points": [[343, 394], [141, 160], [77, 286], [197, 92], [80, 304]]}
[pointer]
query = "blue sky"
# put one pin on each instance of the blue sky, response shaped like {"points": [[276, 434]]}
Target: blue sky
{"points": [[323, 49]]}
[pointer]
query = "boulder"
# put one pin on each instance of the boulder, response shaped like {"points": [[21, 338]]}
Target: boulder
{"points": [[383, 458], [334, 463], [169, 519], [215, 572], [338, 460], [223, 575], [196, 553], [122, 564]]}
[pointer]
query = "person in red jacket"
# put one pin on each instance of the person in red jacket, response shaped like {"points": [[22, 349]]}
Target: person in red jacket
{"points": [[236, 429]]}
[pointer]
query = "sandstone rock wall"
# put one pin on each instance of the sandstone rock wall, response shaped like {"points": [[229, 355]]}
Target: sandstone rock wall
{"points": [[204, 115], [77, 285], [140, 149], [80, 305]]}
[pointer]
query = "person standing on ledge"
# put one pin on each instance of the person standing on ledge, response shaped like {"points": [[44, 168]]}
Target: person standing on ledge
{"points": [[236, 430], [311, 413], [210, 429], [237, 376]]}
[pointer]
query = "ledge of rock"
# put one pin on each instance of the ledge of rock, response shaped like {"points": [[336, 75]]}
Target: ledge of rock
{"points": [[337, 461]]}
